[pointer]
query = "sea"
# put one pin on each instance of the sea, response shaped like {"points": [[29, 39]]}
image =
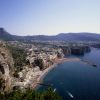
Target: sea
{"points": [[76, 80]]}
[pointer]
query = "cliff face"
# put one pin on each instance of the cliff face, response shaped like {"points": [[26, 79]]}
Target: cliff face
{"points": [[75, 50], [80, 50], [66, 50], [6, 65]]}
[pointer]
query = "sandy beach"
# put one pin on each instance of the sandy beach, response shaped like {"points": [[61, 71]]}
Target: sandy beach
{"points": [[45, 72]]}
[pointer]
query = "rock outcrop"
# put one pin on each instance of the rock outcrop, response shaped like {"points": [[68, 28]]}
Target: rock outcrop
{"points": [[6, 65]]}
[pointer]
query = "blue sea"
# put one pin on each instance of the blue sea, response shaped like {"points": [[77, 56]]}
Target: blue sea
{"points": [[76, 80]]}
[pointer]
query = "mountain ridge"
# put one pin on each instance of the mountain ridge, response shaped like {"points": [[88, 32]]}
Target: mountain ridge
{"points": [[81, 36]]}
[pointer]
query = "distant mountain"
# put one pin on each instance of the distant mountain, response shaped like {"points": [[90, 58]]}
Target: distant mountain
{"points": [[83, 36], [4, 35]]}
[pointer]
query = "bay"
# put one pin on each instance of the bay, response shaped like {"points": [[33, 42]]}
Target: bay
{"points": [[76, 80]]}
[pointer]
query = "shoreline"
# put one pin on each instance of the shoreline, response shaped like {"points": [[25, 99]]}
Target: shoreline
{"points": [[40, 78]]}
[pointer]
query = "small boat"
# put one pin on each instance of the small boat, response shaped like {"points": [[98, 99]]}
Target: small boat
{"points": [[54, 90], [94, 65], [70, 94]]}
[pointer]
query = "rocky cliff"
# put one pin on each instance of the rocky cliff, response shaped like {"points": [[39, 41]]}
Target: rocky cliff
{"points": [[6, 66]]}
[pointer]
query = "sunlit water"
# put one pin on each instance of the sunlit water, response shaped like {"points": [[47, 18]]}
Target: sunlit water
{"points": [[76, 80]]}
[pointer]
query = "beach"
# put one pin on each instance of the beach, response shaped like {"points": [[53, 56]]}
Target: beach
{"points": [[39, 80]]}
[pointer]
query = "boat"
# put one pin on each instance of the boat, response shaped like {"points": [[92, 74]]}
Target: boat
{"points": [[94, 65], [54, 90], [70, 94]]}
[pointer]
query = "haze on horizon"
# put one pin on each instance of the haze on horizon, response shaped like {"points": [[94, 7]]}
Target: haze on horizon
{"points": [[49, 17]]}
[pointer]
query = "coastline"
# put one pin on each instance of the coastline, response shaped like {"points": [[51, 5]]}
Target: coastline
{"points": [[47, 70]]}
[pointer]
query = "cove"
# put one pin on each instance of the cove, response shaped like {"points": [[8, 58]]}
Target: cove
{"points": [[77, 78]]}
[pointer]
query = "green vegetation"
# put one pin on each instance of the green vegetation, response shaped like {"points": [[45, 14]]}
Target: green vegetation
{"points": [[2, 84], [19, 56], [39, 62], [30, 95]]}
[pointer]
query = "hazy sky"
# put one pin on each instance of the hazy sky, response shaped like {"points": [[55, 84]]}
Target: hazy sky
{"points": [[50, 17]]}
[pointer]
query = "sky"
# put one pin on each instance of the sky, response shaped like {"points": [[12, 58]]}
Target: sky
{"points": [[49, 17]]}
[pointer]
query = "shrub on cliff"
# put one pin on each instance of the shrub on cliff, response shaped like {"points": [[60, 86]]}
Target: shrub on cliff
{"points": [[2, 84], [31, 95], [39, 62], [19, 56]]}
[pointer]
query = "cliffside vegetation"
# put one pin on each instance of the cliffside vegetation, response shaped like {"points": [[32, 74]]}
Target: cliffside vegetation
{"points": [[39, 62], [2, 84], [19, 56], [30, 95]]}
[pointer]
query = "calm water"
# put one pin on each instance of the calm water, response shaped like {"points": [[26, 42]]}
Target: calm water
{"points": [[77, 78]]}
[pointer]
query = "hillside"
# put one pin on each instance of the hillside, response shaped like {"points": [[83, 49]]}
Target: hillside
{"points": [[4, 35]]}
